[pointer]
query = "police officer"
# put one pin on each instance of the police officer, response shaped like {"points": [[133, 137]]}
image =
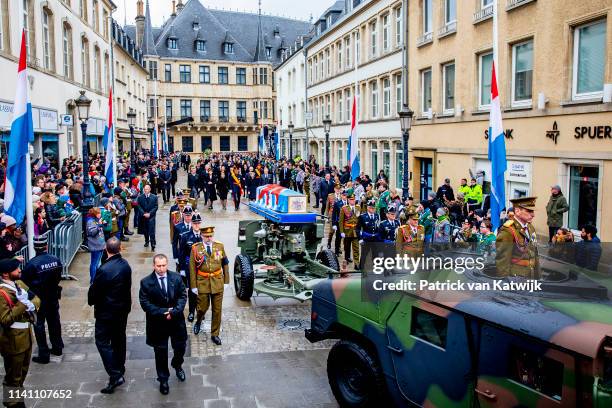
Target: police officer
{"points": [[516, 244], [17, 311], [43, 274], [367, 230], [209, 268], [410, 236], [187, 239], [347, 225], [185, 212], [388, 228]]}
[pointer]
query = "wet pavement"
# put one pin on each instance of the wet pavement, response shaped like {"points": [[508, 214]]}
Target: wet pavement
{"points": [[264, 361]]}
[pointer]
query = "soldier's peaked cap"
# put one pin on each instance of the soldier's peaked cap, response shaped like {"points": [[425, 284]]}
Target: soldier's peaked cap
{"points": [[207, 230], [527, 203], [391, 209], [188, 210], [196, 218], [372, 202]]}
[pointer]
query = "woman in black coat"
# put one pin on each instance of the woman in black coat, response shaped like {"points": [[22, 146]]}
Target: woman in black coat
{"points": [[223, 187], [211, 187], [251, 183]]}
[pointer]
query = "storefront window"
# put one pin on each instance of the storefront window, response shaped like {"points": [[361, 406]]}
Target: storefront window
{"points": [[386, 159], [374, 163], [583, 192], [399, 169]]}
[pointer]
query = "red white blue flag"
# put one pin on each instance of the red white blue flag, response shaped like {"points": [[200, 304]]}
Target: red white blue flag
{"points": [[497, 155], [353, 146], [109, 143]]}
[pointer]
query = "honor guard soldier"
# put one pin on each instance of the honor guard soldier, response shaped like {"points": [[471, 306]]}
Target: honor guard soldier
{"points": [[367, 230], [43, 274], [192, 200], [178, 229], [410, 236], [516, 244], [187, 239], [17, 312], [179, 196], [176, 215], [209, 268], [347, 225], [388, 228], [335, 219]]}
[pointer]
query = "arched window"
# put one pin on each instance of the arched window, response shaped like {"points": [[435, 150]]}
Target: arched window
{"points": [[48, 31], [67, 51], [4, 26]]}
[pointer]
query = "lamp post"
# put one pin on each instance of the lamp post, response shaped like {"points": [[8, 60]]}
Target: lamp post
{"points": [[131, 122], [327, 126], [405, 116], [150, 127], [83, 103], [290, 140], [271, 150]]}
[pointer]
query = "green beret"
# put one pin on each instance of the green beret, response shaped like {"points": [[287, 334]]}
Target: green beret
{"points": [[8, 265]]}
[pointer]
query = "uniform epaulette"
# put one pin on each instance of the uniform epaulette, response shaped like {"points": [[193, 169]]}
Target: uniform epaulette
{"points": [[174, 212], [508, 223], [217, 242]]}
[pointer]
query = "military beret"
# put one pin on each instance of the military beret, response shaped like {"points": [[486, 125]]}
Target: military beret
{"points": [[8, 265]]}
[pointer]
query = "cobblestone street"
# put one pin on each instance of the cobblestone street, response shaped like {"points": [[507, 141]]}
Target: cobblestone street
{"points": [[263, 343]]}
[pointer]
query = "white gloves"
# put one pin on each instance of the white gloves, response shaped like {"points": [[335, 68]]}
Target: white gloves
{"points": [[22, 296], [361, 242], [342, 234], [194, 291], [334, 227], [182, 273], [29, 306]]}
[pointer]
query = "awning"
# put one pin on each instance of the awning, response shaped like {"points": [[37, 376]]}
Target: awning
{"points": [[92, 138], [50, 138]]}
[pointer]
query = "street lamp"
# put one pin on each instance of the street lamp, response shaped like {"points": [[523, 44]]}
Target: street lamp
{"points": [[327, 126], [150, 127], [131, 122], [291, 140], [405, 116], [271, 150], [83, 103]]}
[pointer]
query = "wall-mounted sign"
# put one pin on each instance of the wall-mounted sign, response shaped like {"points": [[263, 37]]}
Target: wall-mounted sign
{"points": [[593, 132], [507, 133], [554, 133], [43, 119], [67, 120], [519, 171]]}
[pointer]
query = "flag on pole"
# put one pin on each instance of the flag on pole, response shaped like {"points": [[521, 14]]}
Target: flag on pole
{"points": [[18, 185], [165, 139], [497, 155], [155, 140], [353, 147], [277, 150], [109, 143], [262, 142]]}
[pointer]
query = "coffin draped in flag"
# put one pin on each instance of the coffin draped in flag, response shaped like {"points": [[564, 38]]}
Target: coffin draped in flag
{"points": [[17, 185], [109, 143], [353, 146], [497, 155]]}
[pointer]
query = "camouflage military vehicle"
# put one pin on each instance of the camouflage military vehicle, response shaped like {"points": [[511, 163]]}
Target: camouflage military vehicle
{"points": [[485, 349], [279, 253]]}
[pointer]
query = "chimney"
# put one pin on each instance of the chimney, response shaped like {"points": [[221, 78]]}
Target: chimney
{"points": [[173, 8], [140, 23]]}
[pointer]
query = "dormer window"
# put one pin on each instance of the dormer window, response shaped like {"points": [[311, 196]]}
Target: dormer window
{"points": [[228, 48], [196, 25], [276, 31], [172, 43], [201, 45], [269, 52], [329, 20]]}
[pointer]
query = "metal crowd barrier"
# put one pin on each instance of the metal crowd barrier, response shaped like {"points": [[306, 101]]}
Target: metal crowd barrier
{"points": [[67, 238], [97, 199]]}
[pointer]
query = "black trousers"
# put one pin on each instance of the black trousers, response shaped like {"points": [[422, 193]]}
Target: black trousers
{"points": [[50, 314], [149, 230], [161, 357], [165, 188], [173, 186], [191, 297], [552, 231], [110, 340]]}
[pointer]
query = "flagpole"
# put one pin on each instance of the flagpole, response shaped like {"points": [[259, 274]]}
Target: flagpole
{"points": [[495, 37], [112, 86]]}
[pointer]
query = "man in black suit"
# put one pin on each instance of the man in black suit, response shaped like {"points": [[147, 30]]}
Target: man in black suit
{"points": [[162, 297], [164, 182], [111, 296], [285, 175], [147, 203], [326, 188]]}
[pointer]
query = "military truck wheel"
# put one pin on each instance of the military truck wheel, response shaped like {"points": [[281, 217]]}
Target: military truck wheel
{"points": [[355, 376], [328, 258], [244, 277]]}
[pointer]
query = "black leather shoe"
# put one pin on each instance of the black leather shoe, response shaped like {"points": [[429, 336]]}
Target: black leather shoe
{"points": [[164, 388], [128, 232], [152, 247], [196, 328], [56, 352], [180, 374], [190, 317], [146, 244], [216, 340], [110, 388], [40, 360]]}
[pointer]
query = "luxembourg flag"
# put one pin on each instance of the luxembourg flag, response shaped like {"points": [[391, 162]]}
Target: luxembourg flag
{"points": [[155, 141], [165, 139], [497, 155], [353, 147], [109, 143], [17, 184], [277, 150], [262, 142]]}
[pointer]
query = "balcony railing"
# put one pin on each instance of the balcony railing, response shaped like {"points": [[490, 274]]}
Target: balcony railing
{"points": [[449, 28], [223, 119], [511, 4], [483, 14], [241, 119], [204, 119], [425, 39]]}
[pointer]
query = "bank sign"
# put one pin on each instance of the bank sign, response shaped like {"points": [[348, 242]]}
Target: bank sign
{"points": [[44, 119]]}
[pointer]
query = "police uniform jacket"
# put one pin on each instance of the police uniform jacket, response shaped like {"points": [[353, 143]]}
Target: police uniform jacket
{"points": [[208, 271], [42, 275], [179, 229], [187, 239], [386, 231], [517, 251], [16, 335], [338, 204], [367, 227]]}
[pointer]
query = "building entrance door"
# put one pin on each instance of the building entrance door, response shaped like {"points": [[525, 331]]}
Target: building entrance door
{"points": [[426, 182]]}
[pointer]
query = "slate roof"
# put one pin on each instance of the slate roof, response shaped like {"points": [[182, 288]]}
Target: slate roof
{"points": [[251, 34]]}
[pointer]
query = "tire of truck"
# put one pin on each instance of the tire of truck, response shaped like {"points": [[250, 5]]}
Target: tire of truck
{"points": [[355, 376], [327, 258], [244, 277]]}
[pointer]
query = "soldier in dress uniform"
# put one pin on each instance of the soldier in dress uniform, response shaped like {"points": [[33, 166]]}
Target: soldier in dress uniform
{"points": [[335, 219], [388, 228], [347, 225], [410, 236], [516, 244], [176, 215], [367, 230], [209, 269], [179, 228], [17, 313], [192, 200], [187, 238]]}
